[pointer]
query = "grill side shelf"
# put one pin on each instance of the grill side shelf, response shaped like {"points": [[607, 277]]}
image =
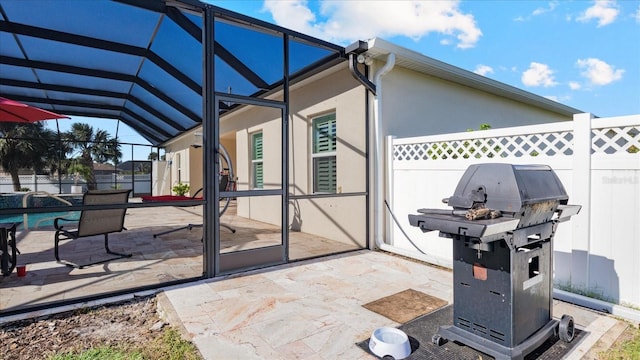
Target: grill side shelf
{"points": [[565, 212], [453, 224]]}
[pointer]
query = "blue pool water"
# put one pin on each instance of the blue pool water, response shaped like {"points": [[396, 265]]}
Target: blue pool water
{"points": [[39, 220]]}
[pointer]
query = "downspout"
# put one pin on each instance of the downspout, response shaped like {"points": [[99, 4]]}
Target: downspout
{"points": [[375, 88], [378, 153]]}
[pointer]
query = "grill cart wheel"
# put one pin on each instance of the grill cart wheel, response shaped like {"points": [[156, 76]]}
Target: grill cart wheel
{"points": [[566, 329], [438, 340]]}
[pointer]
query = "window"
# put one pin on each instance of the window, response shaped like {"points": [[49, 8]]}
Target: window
{"points": [[324, 154], [257, 170]]}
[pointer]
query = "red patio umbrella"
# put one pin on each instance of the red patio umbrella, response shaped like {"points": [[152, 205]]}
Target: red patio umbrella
{"points": [[14, 111]]}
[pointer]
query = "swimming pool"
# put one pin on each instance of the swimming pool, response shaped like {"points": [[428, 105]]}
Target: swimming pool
{"points": [[39, 220], [38, 199]]}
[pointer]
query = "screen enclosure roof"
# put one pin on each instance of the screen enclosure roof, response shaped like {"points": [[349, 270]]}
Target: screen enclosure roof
{"points": [[141, 61]]}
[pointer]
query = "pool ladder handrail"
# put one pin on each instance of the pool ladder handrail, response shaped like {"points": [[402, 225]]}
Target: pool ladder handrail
{"points": [[25, 198]]}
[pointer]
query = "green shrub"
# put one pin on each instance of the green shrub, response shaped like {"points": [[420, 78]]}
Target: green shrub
{"points": [[180, 189]]}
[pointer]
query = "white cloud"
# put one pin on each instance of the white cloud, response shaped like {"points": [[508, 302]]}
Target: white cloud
{"points": [[483, 70], [599, 72], [295, 14], [605, 11], [558, 98], [537, 12], [574, 85], [636, 15], [347, 21], [538, 75], [542, 10]]}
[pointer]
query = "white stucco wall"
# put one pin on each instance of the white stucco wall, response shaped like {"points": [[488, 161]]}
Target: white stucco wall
{"points": [[416, 104], [341, 94], [191, 159], [262, 208], [342, 219], [181, 157], [195, 174]]}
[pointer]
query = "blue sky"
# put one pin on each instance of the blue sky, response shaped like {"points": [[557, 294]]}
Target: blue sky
{"points": [[585, 54]]}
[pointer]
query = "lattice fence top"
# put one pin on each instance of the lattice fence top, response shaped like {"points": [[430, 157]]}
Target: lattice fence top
{"points": [[609, 140], [550, 144], [614, 140]]}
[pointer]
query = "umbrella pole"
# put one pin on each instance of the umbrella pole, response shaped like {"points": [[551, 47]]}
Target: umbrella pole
{"points": [[59, 158]]}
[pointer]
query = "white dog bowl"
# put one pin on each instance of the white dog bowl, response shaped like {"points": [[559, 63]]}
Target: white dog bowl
{"points": [[388, 341]]}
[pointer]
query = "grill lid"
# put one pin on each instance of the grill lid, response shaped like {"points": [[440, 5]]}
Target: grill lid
{"points": [[507, 187], [506, 197]]}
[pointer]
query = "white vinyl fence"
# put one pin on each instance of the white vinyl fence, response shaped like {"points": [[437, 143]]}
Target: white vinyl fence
{"points": [[596, 253], [141, 184]]}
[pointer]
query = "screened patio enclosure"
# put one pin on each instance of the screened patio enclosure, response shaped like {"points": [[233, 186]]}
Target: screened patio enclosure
{"points": [[168, 68]]}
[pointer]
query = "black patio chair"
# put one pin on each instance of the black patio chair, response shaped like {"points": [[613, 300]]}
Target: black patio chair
{"points": [[95, 222]]}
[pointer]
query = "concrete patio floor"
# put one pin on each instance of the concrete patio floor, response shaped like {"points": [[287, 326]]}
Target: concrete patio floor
{"points": [[313, 309], [175, 256]]}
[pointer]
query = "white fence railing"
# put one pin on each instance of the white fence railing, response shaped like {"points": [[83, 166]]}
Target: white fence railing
{"points": [[141, 183], [596, 253]]}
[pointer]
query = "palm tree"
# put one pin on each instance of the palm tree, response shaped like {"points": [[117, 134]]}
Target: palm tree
{"points": [[92, 145], [25, 146]]}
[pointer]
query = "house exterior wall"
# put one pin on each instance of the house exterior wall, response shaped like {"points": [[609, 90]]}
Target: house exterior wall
{"points": [[414, 103], [341, 94], [337, 218], [195, 174], [181, 158], [261, 208], [192, 171], [340, 219]]}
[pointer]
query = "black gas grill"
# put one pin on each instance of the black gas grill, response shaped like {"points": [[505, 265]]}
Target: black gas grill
{"points": [[503, 221]]}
